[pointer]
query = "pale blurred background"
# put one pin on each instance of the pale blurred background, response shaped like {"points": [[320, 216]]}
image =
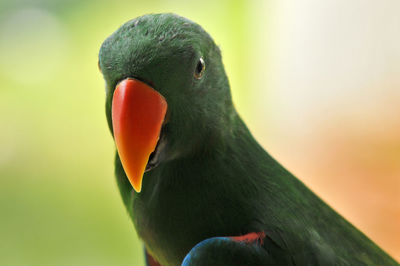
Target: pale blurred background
{"points": [[318, 83]]}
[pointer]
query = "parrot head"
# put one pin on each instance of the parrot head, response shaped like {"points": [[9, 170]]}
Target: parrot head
{"points": [[167, 94]]}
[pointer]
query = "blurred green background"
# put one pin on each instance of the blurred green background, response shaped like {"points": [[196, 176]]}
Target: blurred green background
{"points": [[59, 203]]}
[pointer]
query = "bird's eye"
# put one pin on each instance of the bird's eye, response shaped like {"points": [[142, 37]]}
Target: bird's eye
{"points": [[200, 67]]}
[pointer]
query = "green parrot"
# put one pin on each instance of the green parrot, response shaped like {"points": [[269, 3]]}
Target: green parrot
{"points": [[199, 188]]}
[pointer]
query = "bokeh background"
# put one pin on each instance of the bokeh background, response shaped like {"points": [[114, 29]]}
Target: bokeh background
{"points": [[318, 83]]}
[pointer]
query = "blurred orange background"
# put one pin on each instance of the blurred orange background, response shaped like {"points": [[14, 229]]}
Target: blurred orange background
{"points": [[333, 106], [317, 82]]}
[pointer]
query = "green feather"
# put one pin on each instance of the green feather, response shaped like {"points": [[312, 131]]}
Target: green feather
{"points": [[214, 178]]}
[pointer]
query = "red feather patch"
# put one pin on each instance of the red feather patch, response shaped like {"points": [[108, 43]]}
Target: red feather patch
{"points": [[151, 261], [250, 238]]}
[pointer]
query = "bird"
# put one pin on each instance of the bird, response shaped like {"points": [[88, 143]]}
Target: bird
{"points": [[198, 187]]}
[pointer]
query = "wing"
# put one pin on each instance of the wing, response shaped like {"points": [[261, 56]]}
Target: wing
{"points": [[262, 248], [253, 249]]}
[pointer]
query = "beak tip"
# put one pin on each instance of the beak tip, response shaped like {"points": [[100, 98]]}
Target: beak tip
{"points": [[137, 188], [136, 181]]}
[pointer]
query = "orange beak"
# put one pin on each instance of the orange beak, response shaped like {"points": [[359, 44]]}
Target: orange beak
{"points": [[138, 112]]}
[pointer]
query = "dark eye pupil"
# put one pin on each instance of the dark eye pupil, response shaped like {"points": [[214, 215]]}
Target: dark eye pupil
{"points": [[200, 67]]}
